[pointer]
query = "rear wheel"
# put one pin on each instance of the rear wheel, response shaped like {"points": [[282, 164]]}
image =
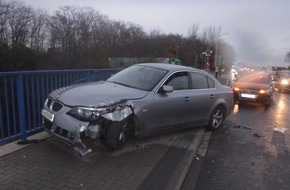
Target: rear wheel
{"points": [[217, 118]]}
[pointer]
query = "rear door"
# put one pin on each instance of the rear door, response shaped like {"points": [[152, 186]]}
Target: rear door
{"points": [[202, 97]]}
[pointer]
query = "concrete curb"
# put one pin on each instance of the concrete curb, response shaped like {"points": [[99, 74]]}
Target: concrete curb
{"points": [[180, 173], [196, 165]]}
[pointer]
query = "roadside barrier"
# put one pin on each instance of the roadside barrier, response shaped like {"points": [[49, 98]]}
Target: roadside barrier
{"points": [[22, 95]]}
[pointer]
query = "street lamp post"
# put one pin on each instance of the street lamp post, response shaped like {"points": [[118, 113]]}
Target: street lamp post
{"points": [[216, 55], [207, 53]]}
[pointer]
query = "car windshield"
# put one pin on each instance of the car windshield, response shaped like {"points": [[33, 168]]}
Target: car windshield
{"points": [[139, 77], [254, 79]]}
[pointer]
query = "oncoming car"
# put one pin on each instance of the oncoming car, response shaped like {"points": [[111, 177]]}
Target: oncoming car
{"points": [[254, 87], [282, 80], [140, 100], [235, 73]]}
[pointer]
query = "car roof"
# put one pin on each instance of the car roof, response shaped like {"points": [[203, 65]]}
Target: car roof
{"points": [[169, 67]]}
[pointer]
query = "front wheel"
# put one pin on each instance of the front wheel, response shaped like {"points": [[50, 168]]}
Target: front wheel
{"points": [[117, 134], [216, 119]]}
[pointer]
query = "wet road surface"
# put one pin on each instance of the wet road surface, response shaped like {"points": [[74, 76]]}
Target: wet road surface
{"points": [[251, 151]]}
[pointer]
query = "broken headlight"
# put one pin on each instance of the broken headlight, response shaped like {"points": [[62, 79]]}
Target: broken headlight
{"points": [[86, 114], [115, 112]]}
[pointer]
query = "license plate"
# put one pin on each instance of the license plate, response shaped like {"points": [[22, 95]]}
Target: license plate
{"points": [[47, 115], [253, 96]]}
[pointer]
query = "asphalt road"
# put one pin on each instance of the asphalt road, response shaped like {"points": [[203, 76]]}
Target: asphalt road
{"points": [[251, 151]]}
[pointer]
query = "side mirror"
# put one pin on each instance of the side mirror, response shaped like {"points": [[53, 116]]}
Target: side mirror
{"points": [[166, 88]]}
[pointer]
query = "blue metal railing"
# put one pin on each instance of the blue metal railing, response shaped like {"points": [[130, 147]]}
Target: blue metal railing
{"points": [[22, 95]]}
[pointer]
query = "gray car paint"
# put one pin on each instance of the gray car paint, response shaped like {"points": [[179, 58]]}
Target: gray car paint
{"points": [[155, 110]]}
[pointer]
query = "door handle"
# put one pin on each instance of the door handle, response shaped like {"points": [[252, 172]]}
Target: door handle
{"points": [[186, 99], [212, 96]]}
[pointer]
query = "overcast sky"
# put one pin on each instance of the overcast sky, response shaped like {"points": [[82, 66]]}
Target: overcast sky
{"points": [[259, 30]]}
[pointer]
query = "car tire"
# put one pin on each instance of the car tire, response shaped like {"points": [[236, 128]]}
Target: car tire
{"points": [[117, 134], [268, 103], [216, 119]]}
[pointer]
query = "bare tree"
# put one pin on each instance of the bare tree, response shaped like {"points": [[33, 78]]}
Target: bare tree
{"points": [[193, 32], [38, 31], [77, 37], [62, 28], [4, 17], [20, 17], [211, 34], [84, 26]]}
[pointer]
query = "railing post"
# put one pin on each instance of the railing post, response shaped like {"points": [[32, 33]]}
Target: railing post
{"points": [[21, 112], [88, 76]]}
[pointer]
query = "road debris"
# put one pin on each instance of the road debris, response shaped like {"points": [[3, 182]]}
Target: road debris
{"points": [[280, 129], [257, 135], [243, 127]]}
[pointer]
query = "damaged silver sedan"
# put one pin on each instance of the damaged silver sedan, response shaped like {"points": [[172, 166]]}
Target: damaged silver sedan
{"points": [[141, 100]]}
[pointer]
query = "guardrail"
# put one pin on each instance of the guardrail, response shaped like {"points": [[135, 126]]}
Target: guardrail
{"points": [[22, 95]]}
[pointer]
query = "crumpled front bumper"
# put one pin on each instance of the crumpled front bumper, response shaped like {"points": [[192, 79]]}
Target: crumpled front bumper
{"points": [[75, 132], [69, 130]]}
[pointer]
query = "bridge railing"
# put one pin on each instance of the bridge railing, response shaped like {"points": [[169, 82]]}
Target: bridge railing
{"points": [[22, 95]]}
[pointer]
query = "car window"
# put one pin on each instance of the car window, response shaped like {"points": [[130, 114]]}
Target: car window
{"points": [[179, 81], [211, 83], [201, 81]]}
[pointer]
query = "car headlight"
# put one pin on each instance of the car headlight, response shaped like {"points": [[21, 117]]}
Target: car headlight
{"points": [[284, 82], [86, 113], [236, 89], [262, 91]]}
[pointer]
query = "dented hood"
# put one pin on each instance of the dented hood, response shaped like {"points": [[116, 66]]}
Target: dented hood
{"points": [[95, 94]]}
